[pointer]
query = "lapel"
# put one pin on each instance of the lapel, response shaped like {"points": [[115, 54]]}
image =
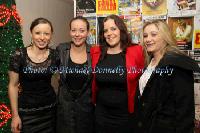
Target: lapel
{"points": [[65, 58]]}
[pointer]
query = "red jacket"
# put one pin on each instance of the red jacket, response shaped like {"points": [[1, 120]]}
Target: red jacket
{"points": [[134, 66]]}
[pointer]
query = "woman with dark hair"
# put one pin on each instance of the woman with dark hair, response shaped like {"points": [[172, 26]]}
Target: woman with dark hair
{"points": [[117, 65], [33, 110], [75, 112]]}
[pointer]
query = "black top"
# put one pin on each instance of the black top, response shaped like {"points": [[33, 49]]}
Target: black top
{"points": [[112, 99], [34, 78], [76, 76]]}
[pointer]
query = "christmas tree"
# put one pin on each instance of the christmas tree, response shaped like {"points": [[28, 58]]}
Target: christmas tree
{"points": [[10, 39]]}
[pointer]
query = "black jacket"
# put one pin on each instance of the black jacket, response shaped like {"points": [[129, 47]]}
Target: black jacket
{"points": [[167, 102], [74, 115]]}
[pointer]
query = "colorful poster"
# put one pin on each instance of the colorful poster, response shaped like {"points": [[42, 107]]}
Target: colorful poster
{"points": [[182, 29], [196, 39], [85, 7], [106, 7], [154, 7], [134, 26], [129, 7], [177, 8], [91, 39]]}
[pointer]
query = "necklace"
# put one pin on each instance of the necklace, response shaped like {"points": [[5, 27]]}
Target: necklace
{"points": [[38, 58], [42, 56]]}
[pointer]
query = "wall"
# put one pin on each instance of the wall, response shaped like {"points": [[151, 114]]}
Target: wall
{"points": [[59, 12]]}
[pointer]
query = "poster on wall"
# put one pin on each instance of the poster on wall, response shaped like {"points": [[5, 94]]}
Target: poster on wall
{"points": [[182, 28], [106, 7], [134, 26], [154, 7], [196, 38], [85, 7], [182, 7], [91, 39], [129, 7]]}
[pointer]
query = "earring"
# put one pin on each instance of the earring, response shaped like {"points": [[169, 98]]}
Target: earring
{"points": [[31, 41]]}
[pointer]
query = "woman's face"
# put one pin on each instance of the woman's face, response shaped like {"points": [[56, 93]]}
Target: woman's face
{"points": [[79, 32], [41, 35], [111, 33], [153, 41]]}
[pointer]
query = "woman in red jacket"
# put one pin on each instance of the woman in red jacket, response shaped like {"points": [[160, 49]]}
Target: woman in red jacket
{"points": [[117, 66]]}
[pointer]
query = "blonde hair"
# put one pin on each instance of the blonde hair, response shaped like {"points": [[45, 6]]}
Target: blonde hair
{"points": [[166, 35]]}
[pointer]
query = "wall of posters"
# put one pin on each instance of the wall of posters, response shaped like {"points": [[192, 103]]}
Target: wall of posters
{"points": [[183, 16]]}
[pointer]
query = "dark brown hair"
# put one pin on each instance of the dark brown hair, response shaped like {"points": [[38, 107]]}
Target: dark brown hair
{"points": [[40, 21], [125, 38]]}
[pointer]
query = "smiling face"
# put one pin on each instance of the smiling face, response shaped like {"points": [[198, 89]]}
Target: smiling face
{"points": [[152, 39], [41, 35], [111, 33], [79, 32]]}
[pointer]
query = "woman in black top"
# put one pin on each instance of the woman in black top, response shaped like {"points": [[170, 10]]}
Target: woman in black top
{"points": [[117, 65], [33, 110], [165, 98], [75, 109]]}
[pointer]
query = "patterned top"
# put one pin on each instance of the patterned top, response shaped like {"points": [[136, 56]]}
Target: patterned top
{"points": [[34, 78]]}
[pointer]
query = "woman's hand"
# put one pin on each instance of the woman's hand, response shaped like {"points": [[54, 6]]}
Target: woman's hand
{"points": [[16, 124]]}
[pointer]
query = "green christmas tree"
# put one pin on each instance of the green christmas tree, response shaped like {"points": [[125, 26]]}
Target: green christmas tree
{"points": [[10, 39]]}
